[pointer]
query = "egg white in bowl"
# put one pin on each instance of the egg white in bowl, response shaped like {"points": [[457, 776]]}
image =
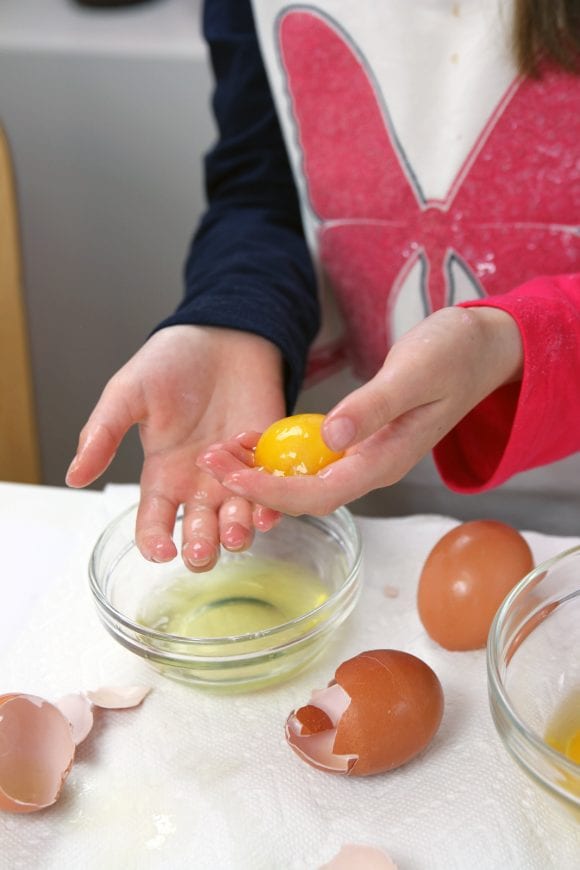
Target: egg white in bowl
{"points": [[230, 628]]}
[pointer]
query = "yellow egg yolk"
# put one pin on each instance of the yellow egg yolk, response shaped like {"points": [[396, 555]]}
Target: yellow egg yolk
{"points": [[294, 445]]}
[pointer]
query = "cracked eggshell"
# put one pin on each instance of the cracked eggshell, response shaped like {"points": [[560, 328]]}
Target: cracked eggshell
{"points": [[384, 707], [79, 711], [36, 753]]}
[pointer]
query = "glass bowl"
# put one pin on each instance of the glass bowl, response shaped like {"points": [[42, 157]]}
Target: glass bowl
{"points": [[257, 618], [533, 660]]}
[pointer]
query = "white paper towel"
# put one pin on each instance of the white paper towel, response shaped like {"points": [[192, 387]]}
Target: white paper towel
{"points": [[192, 780]]}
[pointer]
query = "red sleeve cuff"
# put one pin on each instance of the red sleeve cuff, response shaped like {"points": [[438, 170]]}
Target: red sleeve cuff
{"points": [[535, 422]]}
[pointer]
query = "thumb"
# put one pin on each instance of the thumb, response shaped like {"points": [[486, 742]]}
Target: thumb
{"points": [[393, 391], [100, 437]]}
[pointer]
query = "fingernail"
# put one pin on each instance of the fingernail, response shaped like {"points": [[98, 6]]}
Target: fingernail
{"points": [[196, 554], [235, 536], [158, 552], [265, 522], [261, 521], [339, 432], [72, 467]]}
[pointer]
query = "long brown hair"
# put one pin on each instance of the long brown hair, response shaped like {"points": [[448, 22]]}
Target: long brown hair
{"points": [[547, 29]]}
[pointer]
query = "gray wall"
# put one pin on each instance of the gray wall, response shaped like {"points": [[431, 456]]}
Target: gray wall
{"points": [[107, 145]]}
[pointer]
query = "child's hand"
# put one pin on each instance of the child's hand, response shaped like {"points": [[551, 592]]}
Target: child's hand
{"points": [[186, 387], [431, 379]]}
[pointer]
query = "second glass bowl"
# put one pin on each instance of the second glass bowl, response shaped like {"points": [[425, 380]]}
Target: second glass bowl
{"points": [[533, 657]]}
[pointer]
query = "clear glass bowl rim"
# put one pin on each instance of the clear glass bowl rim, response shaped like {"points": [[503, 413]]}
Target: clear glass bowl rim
{"points": [[342, 513], [496, 685]]}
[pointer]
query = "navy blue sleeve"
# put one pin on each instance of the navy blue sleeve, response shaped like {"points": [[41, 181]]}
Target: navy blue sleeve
{"points": [[249, 267]]}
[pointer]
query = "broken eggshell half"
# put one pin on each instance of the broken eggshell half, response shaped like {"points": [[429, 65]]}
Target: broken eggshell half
{"points": [[382, 708], [37, 750], [38, 741]]}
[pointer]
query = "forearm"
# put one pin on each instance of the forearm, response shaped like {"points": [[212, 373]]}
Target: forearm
{"points": [[244, 277], [249, 267]]}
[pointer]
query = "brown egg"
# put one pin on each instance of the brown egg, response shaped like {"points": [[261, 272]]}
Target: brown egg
{"points": [[382, 708], [465, 578]]}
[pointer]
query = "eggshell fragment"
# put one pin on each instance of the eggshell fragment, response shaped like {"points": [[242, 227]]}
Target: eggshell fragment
{"points": [[384, 707], [391, 591], [118, 697], [354, 857], [36, 753], [313, 720], [311, 730], [465, 578], [79, 711]]}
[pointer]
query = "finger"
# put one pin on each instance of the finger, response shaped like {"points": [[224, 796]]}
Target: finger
{"points": [[241, 448], [394, 391], [221, 460], [154, 527], [289, 495], [248, 439], [200, 547], [101, 436], [265, 518], [277, 493], [236, 528]]}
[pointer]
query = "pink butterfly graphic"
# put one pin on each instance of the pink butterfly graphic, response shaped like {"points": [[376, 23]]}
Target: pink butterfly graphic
{"points": [[391, 254]]}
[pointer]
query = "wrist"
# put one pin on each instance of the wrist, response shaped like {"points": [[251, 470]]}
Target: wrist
{"points": [[502, 338]]}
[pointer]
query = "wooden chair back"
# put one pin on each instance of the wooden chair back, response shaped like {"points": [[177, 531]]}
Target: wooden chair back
{"points": [[19, 448]]}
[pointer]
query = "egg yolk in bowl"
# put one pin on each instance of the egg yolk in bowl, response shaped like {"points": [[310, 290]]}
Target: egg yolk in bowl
{"points": [[294, 445]]}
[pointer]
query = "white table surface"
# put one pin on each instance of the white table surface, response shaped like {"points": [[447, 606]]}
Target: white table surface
{"points": [[192, 780], [40, 531]]}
